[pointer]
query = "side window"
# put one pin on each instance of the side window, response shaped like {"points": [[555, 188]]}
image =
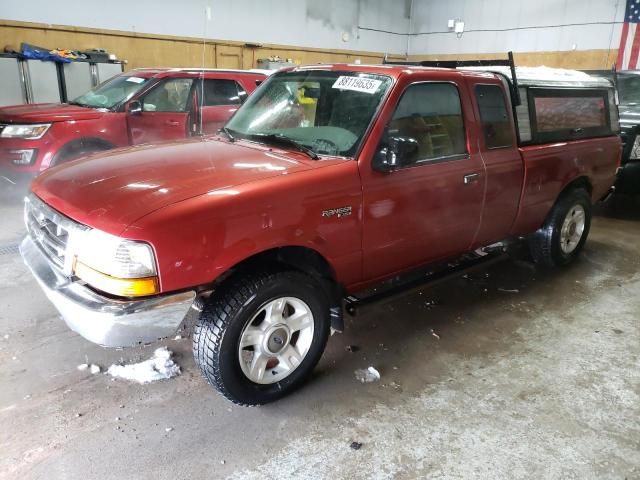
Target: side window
{"points": [[222, 92], [431, 114], [169, 96], [494, 117], [566, 114]]}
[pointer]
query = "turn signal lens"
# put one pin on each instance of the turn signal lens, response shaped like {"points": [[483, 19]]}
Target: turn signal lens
{"points": [[122, 287], [21, 157]]}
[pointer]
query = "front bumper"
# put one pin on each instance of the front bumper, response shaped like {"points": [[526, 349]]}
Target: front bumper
{"points": [[44, 149], [103, 320]]}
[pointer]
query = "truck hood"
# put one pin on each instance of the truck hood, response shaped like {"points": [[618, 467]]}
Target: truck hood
{"points": [[112, 190], [46, 113]]}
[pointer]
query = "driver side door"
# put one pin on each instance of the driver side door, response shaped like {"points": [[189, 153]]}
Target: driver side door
{"points": [[430, 208], [165, 112]]}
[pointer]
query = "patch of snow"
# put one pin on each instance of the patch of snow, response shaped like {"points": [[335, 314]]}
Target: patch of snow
{"points": [[158, 367], [168, 429], [532, 75], [83, 366], [94, 369], [547, 73], [368, 375]]}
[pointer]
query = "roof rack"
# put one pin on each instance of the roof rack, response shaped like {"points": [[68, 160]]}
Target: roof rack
{"points": [[515, 93]]}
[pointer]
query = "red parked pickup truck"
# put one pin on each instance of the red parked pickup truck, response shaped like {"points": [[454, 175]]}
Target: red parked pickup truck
{"points": [[141, 106], [328, 180]]}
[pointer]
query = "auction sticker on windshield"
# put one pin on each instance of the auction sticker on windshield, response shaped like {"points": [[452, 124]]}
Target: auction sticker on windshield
{"points": [[357, 84], [135, 79]]}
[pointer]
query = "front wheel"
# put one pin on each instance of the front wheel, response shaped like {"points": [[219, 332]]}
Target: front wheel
{"points": [[565, 231], [260, 336]]}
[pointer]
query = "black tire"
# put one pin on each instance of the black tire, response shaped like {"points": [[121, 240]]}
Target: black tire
{"points": [[217, 333], [545, 244]]}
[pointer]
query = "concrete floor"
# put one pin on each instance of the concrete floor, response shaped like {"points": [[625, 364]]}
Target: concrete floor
{"points": [[543, 383]]}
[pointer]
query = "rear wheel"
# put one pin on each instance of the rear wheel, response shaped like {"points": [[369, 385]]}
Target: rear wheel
{"points": [[565, 231], [260, 336]]}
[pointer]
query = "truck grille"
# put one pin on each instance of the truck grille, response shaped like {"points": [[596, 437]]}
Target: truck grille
{"points": [[50, 231]]}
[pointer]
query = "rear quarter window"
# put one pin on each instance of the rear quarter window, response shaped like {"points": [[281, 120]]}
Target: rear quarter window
{"points": [[222, 92], [496, 125]]}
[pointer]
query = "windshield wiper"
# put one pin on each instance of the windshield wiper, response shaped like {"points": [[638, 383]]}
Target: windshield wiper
{"points": [[284, 140], [228, 133]]}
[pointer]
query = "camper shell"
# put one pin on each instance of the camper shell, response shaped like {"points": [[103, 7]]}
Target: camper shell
{"points": [[549, 104]]}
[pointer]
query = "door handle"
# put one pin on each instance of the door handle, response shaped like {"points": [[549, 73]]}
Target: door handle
{"points": [[471, 178], [172, 123]]}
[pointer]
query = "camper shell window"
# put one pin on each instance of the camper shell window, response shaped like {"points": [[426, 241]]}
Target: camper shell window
{"points": [[559, 114]]}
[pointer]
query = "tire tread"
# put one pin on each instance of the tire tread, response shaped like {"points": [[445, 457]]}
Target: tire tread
{"points": [[215, 318], [541, 243]]}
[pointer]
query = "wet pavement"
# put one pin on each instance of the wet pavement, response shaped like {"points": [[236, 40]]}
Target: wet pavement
{"points": [[513, 372]]}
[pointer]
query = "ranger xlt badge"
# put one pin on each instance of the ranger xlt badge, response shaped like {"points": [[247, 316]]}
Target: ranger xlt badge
{"points": [[339, 212]]}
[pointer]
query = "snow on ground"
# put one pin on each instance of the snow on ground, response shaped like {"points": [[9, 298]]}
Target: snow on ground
{"points": [[158, 367]]}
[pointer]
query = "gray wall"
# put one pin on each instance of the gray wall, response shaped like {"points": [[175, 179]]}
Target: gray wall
{"points": [[307, 23], [430, 17], [322, 23]]}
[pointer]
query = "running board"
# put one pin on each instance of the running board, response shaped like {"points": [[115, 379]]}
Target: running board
{"points": [[401, 288]]}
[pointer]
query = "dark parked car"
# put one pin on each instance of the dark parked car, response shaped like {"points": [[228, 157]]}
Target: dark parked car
{"points": [[628, 84]]}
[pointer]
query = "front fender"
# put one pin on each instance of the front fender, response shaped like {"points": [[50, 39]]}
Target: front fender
{"points": [[199, 239]]}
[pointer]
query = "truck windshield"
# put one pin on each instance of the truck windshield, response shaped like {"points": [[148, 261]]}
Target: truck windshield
{"points": [[629, 89], [112, 92], [325, 112]]}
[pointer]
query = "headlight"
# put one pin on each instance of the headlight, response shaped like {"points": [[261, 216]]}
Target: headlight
{"points": [[28, 132], [114, 265]]}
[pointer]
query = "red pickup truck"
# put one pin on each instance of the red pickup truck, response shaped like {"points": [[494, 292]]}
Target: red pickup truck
{"points": [[140, 106], [328, 180]]}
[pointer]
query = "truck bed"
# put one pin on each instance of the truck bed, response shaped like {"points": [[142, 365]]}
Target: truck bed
{"points": [[549, 168]]}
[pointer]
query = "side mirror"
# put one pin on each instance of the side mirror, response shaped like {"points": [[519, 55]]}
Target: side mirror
{"points": [[134, 107], [396, 152]]}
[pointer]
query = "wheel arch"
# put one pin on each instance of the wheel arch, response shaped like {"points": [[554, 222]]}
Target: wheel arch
{"points": [[580, 182], [82, 143], [303, 259]]}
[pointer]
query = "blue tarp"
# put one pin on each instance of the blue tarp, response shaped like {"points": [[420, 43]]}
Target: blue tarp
{"points": [[36, 53]]}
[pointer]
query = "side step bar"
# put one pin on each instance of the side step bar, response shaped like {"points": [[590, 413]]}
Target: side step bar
{"points": [[354, 302]]}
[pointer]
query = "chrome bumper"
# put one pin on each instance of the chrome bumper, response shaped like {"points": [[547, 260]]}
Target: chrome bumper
{"points": [[102, 320]]}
